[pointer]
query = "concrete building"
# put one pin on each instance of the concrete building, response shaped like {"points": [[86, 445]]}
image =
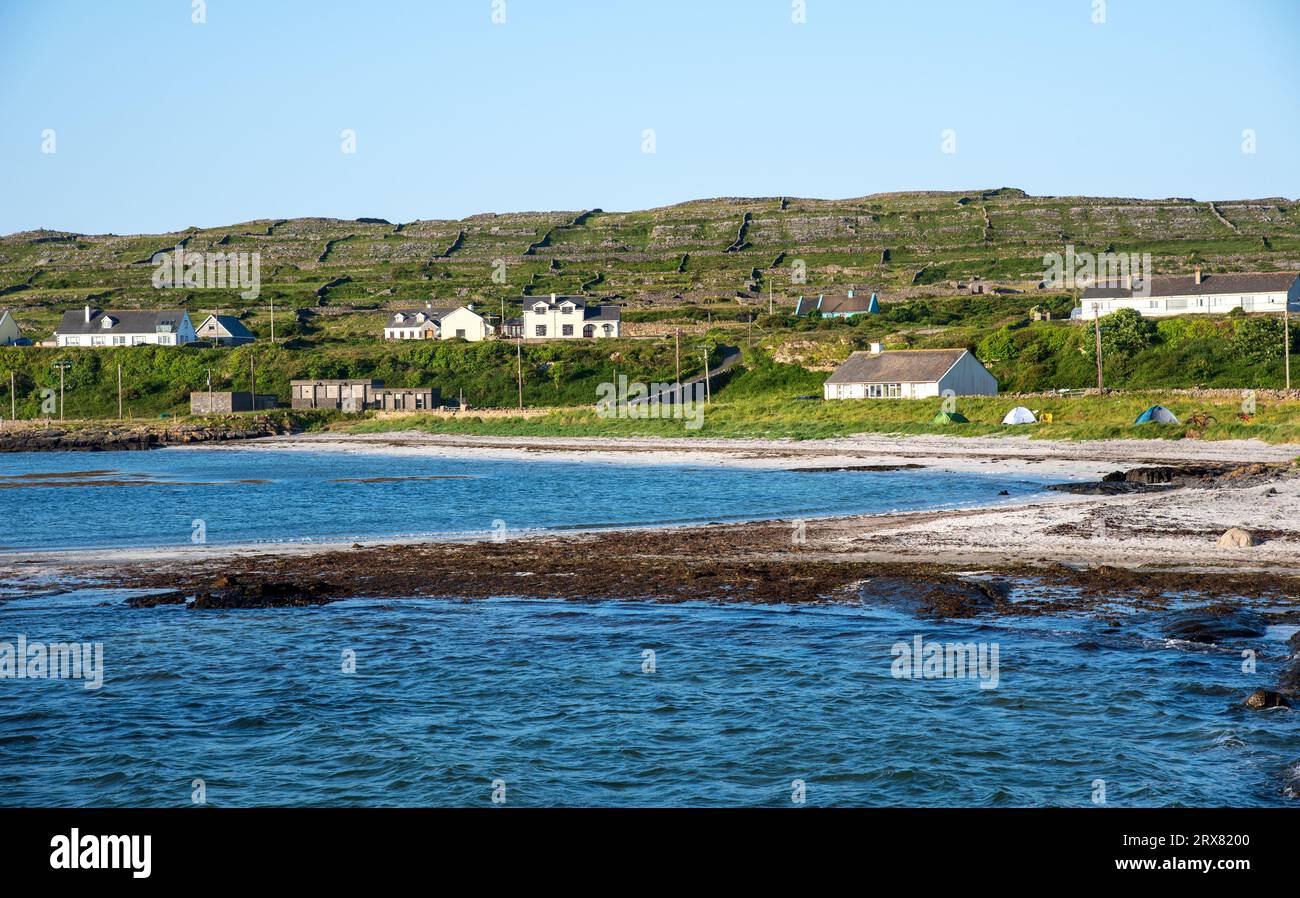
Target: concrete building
{"points": [[909, 374], [224, 330], [1196, 293], [360, 395], [9, 333], [406, 399], [95, 327], [344, 394], [219, 403], [568, 318]]}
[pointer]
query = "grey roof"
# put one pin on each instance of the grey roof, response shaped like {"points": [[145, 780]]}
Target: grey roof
{"points": [[896, 366], [129, 322], [601, 313], [1210, 285], [231, 325], [530, 301], [429, 314]]}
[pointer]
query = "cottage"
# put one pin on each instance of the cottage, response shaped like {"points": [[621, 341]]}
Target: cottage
{"points": [[414, 324], [95, 327], [568, 318], [1213, 294], [909, 374], [838, 306], [224, 330], [9, 333]]}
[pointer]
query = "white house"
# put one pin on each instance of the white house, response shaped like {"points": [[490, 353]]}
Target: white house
{"points": [[568, 318], [438, 324], [1211, 294], [414, 324], [909, 374], [466, 324], [8, 328], [96, 327]]}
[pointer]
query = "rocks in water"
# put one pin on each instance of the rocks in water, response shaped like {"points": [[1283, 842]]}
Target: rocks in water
{"points": [[1237, 538], [229, 591], [1261, 699], [1212, 625]]}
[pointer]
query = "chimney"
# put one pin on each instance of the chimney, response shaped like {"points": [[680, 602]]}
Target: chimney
{"points": [[552, 299], [850, 293], [1128, 282], [1198, 275], [470, 307], [88, 314], [428, 305], [876, 348]]}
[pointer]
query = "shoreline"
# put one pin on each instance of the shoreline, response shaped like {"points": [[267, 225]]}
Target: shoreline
{"points": [[1167, 532]]}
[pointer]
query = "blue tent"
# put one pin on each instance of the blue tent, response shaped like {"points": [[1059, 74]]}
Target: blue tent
{"points": [[1157, 414], [874, 307]]}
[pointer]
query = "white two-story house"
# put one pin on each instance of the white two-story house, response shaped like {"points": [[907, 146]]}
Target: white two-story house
{"points": [[1208, 294], [567, 318], [98, 327]]}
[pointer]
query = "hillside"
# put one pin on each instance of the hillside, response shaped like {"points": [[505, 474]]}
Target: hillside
{"points": [[706, 252]]}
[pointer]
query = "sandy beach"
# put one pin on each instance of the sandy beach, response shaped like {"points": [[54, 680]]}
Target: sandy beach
{"points": [[1170, 530]]}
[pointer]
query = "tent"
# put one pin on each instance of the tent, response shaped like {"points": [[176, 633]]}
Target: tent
{"points": [[1020, 415], [1157, 414], [942, 417], [873, 308]]}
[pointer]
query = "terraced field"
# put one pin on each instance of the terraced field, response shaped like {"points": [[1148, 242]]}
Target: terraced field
{"points": [[719, 252]]}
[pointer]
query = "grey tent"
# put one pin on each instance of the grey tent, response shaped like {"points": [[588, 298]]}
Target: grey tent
{"points": [[1019, 415], [1157, 414]]}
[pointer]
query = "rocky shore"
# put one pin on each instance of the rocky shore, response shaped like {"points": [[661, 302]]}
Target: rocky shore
{"points": [[144, 436]]}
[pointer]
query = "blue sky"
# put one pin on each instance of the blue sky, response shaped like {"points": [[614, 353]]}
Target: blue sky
{"points": [[160, 123]]}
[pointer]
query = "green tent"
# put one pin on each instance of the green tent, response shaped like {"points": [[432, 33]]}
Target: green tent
{"points": [[943, 417]]}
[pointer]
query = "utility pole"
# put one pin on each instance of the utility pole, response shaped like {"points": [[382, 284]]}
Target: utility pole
{"points": [[62, 365], [252, 380], [1286, 343], [1096, 322], [519, 369], [708, 387], [677, 335], [119, 391], [769, 296], [272, 320], [13, 398], [209, 391]]}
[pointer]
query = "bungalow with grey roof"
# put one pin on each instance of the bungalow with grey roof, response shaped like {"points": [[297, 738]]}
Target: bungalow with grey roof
{"points": [[1196, 293], [568, 318], [909, 374], [96, 327]]}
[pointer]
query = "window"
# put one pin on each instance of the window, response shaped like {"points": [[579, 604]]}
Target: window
{"points": [[96, 341], [566, 330], [540, 330], [874, 391], [74, 341], [589, 331], [893, 391], [119, 341], [609, 329], [460, 332], [566, 310]]}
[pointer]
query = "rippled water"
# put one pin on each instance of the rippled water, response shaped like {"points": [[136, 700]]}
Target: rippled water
{"points": [[154, 498], [552, 698], [555, 700]]}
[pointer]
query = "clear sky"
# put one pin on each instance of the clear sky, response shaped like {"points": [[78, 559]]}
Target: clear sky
{"points": [[159, 123]]}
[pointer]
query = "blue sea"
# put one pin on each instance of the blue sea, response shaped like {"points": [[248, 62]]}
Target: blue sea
{"points": [[531, 701]]}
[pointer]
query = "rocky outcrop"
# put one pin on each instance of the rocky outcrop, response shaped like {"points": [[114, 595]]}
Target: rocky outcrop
{"points": [[1236, 538], [1261, 699], [116, 439], [1213, 625], [227, 591]]}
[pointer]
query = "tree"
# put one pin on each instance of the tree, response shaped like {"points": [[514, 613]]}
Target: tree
{"points": [[1258, 339]]}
